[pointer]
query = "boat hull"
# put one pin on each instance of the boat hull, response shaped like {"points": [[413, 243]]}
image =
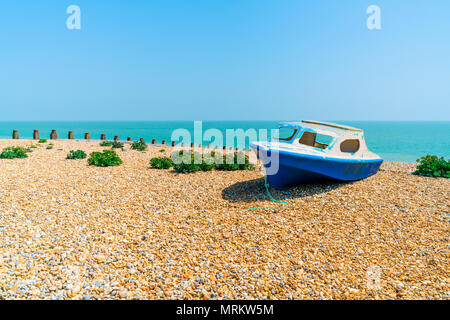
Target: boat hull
{"points": [[296, 169]]}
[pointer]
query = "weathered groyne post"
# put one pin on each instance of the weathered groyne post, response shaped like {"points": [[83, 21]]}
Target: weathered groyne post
{"points": [[153, 141], [182, 144], [142, 140], [15, 134], [224, 148], [87, 136], [116, 138], [192, 145], [36, 135], [70, 135], [129, 139], [103, 136], [54, 135], [173, 143], [163, 142]]}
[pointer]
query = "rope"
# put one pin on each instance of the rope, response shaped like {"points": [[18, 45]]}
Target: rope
{"points": [[267, 185]]}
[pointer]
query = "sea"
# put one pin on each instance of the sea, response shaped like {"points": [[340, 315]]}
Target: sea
{"points": [[393, 141]]}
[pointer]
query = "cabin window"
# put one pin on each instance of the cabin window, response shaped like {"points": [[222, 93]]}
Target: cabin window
{"points": [[350, 146], [322, 141], [315, 140], [284, 133]]}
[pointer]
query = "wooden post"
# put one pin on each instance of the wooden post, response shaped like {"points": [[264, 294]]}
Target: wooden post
{"points": [[153, 141], [116, 138], [182, 144], [87, 136], [54, 135], [192, 145], [173, 143], [103, 137], [70, 135], [163, 142], [36, 135], [224, 148], [129, 139], [15, 134], [142, 140]]}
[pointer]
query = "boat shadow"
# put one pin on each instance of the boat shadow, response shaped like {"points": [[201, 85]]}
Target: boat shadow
{"points": [[254, 190]]}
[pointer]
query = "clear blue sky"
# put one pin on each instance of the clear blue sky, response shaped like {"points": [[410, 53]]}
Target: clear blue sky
{"points": [[225, 60]]}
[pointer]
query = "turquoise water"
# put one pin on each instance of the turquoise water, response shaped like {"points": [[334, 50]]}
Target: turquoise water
{"points": [[394, 141]]}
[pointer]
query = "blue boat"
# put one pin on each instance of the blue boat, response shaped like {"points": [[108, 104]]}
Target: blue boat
{"points": [[312, 151]]}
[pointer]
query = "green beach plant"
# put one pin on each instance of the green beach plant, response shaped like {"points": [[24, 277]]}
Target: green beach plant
{"points": [[78, 154], [42, 140], [161, 163], [235, 161], [14, 153], [433, 166], [186, 167], [106, 158], [139, 146], [208, 161], [106, 144], [162, 150], [117, 145], [207, 166], [49, 147], [188, 161], [184, 161]]}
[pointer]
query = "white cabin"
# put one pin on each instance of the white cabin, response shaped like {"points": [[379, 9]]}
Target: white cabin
{"points": [[321, 138]]}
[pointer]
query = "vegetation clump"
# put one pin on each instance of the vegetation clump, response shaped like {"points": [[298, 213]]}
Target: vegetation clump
{"points": [[161, 163], [235, 161], [42, 140], [139, 146], [185, 162], [14, 153], [106, 144], [117, 145], [106, 158], [433, 166], [78, 154]]}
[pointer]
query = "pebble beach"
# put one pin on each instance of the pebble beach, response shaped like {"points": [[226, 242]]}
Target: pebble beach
{"points": [[73, 231]]}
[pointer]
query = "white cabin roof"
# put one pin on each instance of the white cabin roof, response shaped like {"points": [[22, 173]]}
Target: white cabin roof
{"points": [[327, 126]]}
